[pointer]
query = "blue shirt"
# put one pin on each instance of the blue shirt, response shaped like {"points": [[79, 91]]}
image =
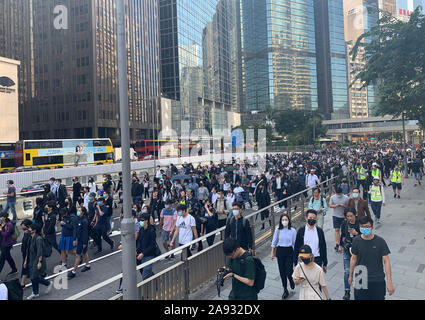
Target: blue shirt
{"points": [[286, 237], [10, 190]]}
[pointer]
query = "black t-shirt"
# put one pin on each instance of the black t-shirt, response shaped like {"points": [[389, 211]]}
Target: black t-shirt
{"points": [[369, 254]]}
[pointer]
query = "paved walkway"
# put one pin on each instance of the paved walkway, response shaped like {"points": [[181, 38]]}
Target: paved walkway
{"points": [[403, 227]]}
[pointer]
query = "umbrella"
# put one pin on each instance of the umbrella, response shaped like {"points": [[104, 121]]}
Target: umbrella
{"points": [[181, 177]]}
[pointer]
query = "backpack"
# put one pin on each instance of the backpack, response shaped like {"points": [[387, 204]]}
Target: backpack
{"points": [[14, 290], [47, 248], [321, 201], [16, 233], [260, 273]]}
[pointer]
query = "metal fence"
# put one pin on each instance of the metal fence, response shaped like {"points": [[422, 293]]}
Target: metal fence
{"points": [[183, 278]]}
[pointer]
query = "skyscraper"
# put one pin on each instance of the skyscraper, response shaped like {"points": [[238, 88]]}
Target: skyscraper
{"points": [[199, 57], [294, 56], [73, 72]]}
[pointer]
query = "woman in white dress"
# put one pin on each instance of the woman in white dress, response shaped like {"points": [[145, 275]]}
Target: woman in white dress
{"points": [[307, 269]]}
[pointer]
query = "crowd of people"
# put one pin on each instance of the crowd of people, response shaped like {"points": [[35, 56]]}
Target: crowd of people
{"points": [[184, 204]]}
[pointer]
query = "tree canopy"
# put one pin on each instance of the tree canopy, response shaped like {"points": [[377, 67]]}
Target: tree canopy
{"points": [[395, 65]]}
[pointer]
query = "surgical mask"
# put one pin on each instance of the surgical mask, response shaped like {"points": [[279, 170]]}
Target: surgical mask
{"points": [[180, 213], [365, 231], [90, 198], [285, 223], [311, 222], [142, 224], [98, 203], [144, 211], [355, 195], [235, 212], [78, 213]]}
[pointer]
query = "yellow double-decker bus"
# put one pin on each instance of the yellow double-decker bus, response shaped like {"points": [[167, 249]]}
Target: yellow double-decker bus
{"points": [[64, 153], [7, 156]]}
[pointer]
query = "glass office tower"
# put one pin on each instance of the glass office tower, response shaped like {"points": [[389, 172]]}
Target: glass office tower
{"points": [[199, 57], [69, 77], [294, 55]]}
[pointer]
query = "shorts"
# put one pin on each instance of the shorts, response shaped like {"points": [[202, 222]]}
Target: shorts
{"points": [[337, 222], [417, 175], [166, 236], [66, 243], [80, 249], [396, 185]]}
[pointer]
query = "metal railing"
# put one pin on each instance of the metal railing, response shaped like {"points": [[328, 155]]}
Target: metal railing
{"points": [[177, 283]]}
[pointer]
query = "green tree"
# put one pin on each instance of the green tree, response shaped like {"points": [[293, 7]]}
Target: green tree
{"points": [[299, 126], [395, 64]]}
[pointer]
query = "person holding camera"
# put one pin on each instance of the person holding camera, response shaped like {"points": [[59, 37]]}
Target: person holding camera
{"points": [[310, 276], [241, 268], [349, 229]]}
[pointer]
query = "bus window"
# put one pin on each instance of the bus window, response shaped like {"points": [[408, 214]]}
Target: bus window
{"points": [[101, 143], [99, 156], [40, 161], [7, 163], [27, 157]]}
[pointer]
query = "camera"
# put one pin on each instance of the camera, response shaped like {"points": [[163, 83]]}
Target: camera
{"points": [[222, 272]]}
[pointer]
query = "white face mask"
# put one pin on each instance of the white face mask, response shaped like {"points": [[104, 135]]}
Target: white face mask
{"points": [[285, 223], [235, 212]]}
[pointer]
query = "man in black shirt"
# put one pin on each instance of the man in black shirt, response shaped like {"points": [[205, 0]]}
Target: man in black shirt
{"points": [[239, 228], [76, 190], [371, 253]]}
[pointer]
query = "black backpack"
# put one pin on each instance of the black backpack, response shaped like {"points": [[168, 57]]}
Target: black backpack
{"points": [[260, 273]]}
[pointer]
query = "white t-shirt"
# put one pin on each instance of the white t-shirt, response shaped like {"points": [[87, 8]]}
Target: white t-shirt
{"points": [[185, 228]]}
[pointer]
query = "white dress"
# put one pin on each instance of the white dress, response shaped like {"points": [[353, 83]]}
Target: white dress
{"points": [[316, 277]]}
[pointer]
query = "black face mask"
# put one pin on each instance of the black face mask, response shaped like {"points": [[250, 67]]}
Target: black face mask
{"points": [[311, 222], [306, 260]]}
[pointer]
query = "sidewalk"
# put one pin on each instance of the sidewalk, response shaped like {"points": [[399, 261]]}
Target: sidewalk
{"points": [[402, 227]]}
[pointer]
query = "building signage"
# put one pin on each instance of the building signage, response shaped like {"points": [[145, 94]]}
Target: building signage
{"points": [[5, 84]]}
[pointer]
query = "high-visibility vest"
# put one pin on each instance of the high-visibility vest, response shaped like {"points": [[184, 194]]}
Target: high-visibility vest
{"points": [[376, 174], [375, 193], [361, 173], [396, 177]]}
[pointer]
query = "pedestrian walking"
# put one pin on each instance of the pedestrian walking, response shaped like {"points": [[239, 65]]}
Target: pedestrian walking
{"points": [[239, 228], [100, 224], [371, 251], [356, 202], [68, 235], [167, 225], [185, 228], [283, 248], [397, 180], [310, 276], [37, 263], [338, 202], [318, 203], [377, 199], [25, 247], [146, 246], [349, 230], [7, 229]]}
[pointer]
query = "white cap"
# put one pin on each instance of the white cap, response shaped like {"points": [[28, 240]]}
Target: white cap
{"points": [[374, 164]]}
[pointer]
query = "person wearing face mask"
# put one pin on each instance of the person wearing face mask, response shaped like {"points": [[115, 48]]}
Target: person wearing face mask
{"points": [[263, 200], [371, 251], [377, 199], [37, 262], [313, 236], [338, 202], [185, 228], [26, 240], [310, 276], [349, 229], [49, 229], [356, 202], [146, 246], [81, 242], [239, 228], [284, 240], [167, 225], [68, 235]]}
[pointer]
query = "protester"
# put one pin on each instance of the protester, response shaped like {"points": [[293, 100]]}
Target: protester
{"points": [[7, 228], [319, 204], [338, 202], [146, 246], [361, 206], [11, 199], [167, 224], [25, 246], [239, 228], [185, 228]]}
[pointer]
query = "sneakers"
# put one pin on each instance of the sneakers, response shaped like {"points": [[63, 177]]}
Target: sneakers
{"points": [[292, 284], [49, 288], [336, 247], [285, 294], [399, 196], [377, 221], [112, 245], [85, 268], [32, 296], [13, 272], [71, 275], [395, 196], [346, 295]]}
